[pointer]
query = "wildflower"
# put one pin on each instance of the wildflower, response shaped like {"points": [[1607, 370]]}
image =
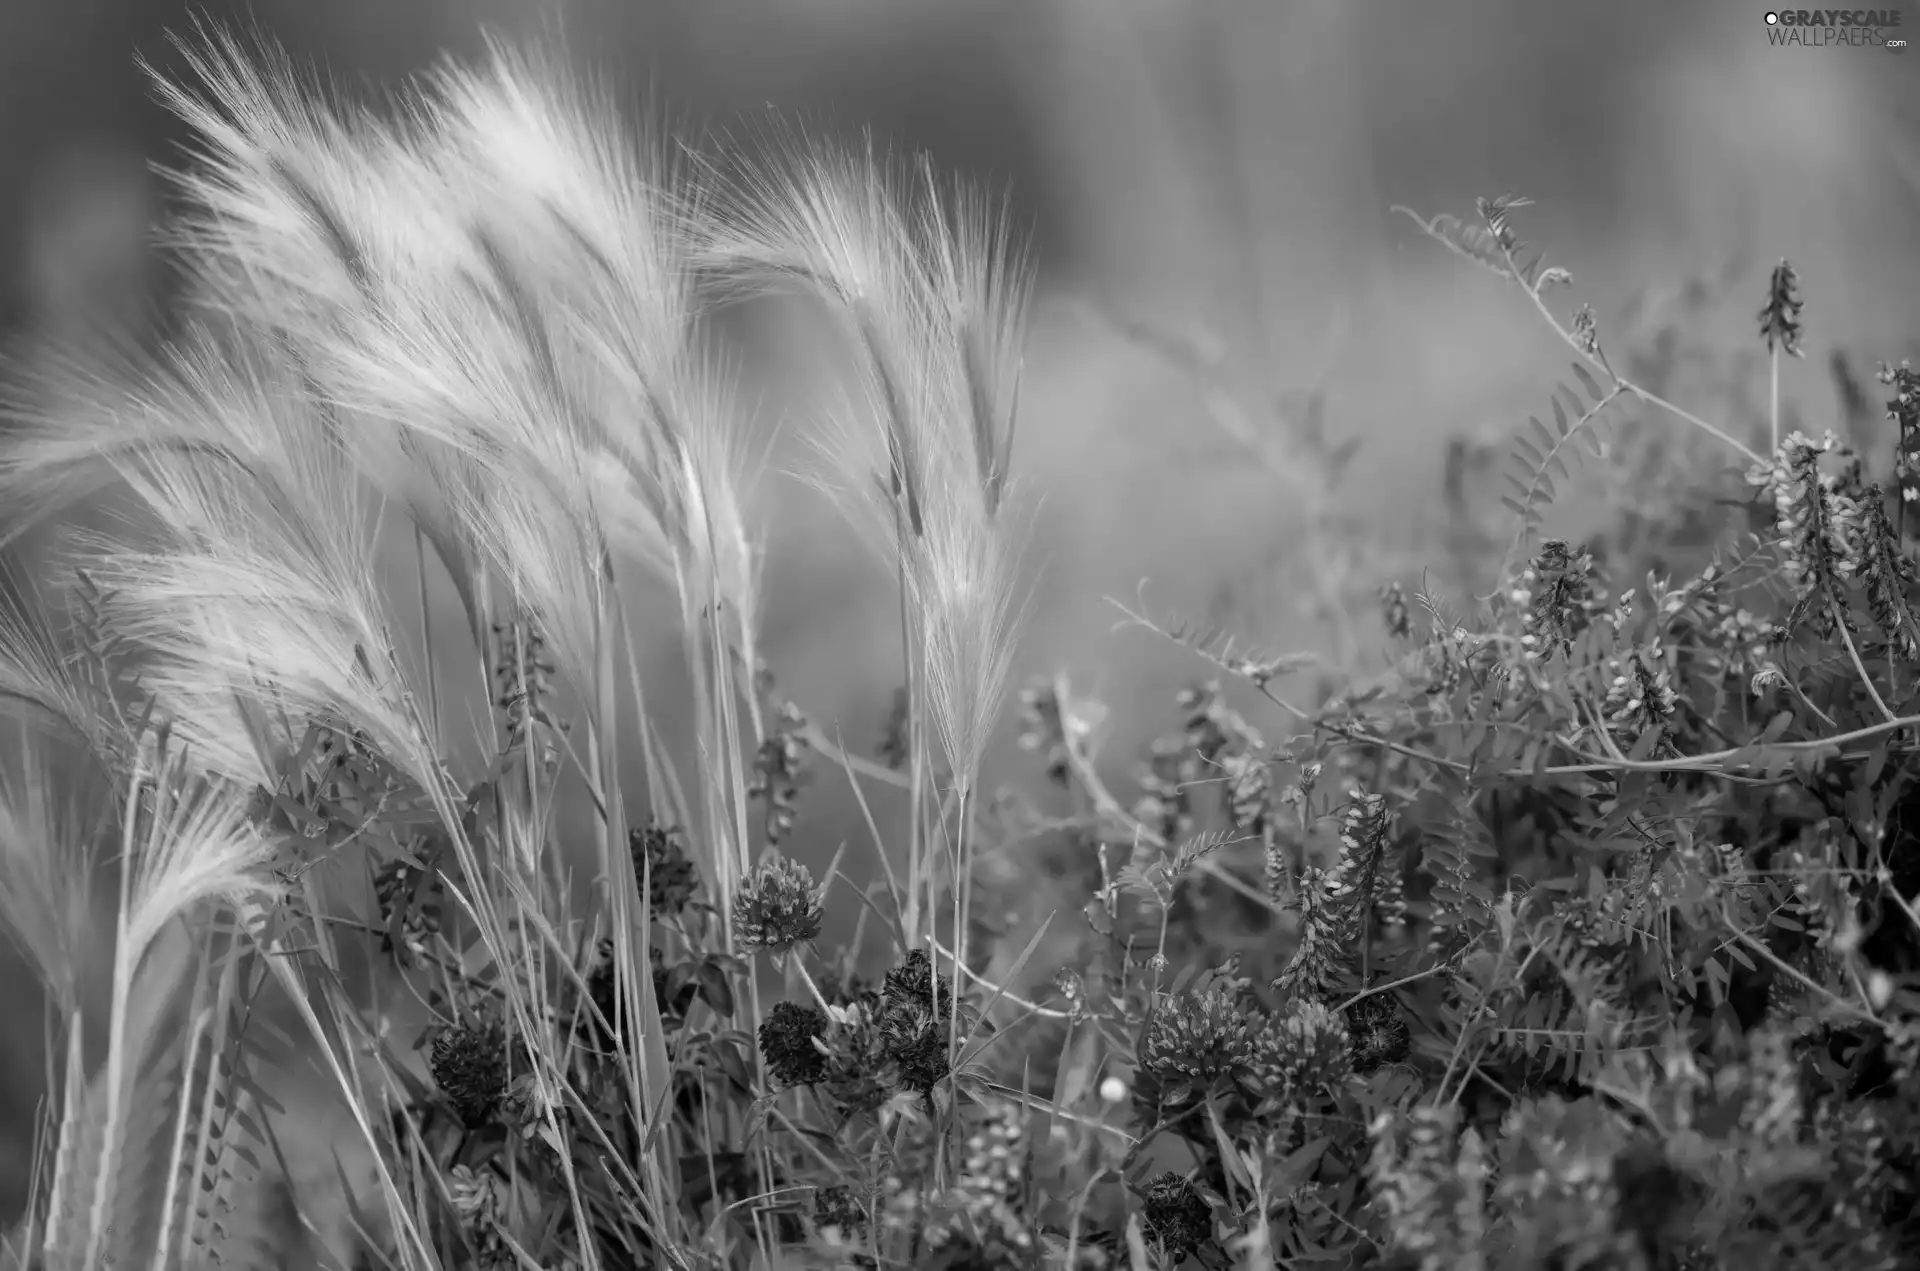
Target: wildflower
{"points": [[913, 1028], [1815, 515], [787, 1043], [779, 767], [1249, 791], [1641, 696], [409, 901], [912, 981], [1780, 316], [469, 1064], [1904, 410], [1176, 1216], [1379, 1033], [1557, 592], [777, 907], [1887, 572], [992, 1172], [838, 1215], [1425, 1180], [1325, 943], [1650, 1196], [1363, 840], [859, 1076], [895, 747], [1299, 1052], [477, 1199], [1043, 729], [1198, 1038], [601, 992], [1586, 331], [660, 858], [1214, 728], [1165, 802], [1394, 613], [522, 674]]}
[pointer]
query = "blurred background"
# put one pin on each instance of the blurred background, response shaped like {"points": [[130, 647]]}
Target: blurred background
{"points": [[1222, 168]]}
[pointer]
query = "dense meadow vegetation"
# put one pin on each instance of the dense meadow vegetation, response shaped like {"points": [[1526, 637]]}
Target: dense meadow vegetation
{"points": [[1582, 937]]}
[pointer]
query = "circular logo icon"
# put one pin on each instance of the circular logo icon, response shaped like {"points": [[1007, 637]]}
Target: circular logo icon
{"points": [[1773, 19]]}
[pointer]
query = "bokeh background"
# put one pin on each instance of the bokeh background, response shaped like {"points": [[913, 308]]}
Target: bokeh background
{"points": [[1223, 167]]}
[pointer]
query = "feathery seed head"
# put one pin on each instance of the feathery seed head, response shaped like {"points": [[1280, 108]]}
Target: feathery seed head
{"points": [[932, 297]]}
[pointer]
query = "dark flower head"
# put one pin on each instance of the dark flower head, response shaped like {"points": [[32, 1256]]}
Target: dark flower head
{"points": [[912, 983], [777, 907], [602, 991], [1177, 1216], [1379, 1033], [836, 1210], [1651, 1196], [914, 1036], [786, 1042], [660, 861], [469, 1064]]}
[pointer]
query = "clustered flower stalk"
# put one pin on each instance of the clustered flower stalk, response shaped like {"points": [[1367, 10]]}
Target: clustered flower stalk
{"points": [[1780, 328]]}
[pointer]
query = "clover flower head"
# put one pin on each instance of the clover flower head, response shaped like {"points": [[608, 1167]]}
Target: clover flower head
{"points": [[777, 907]]}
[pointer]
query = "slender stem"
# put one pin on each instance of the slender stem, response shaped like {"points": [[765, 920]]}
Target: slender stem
{"points": [[1846, 636], [1592, 358], [1773, 410]]}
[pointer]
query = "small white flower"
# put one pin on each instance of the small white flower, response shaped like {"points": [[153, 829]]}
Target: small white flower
{"points": [[1879, 988]]}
